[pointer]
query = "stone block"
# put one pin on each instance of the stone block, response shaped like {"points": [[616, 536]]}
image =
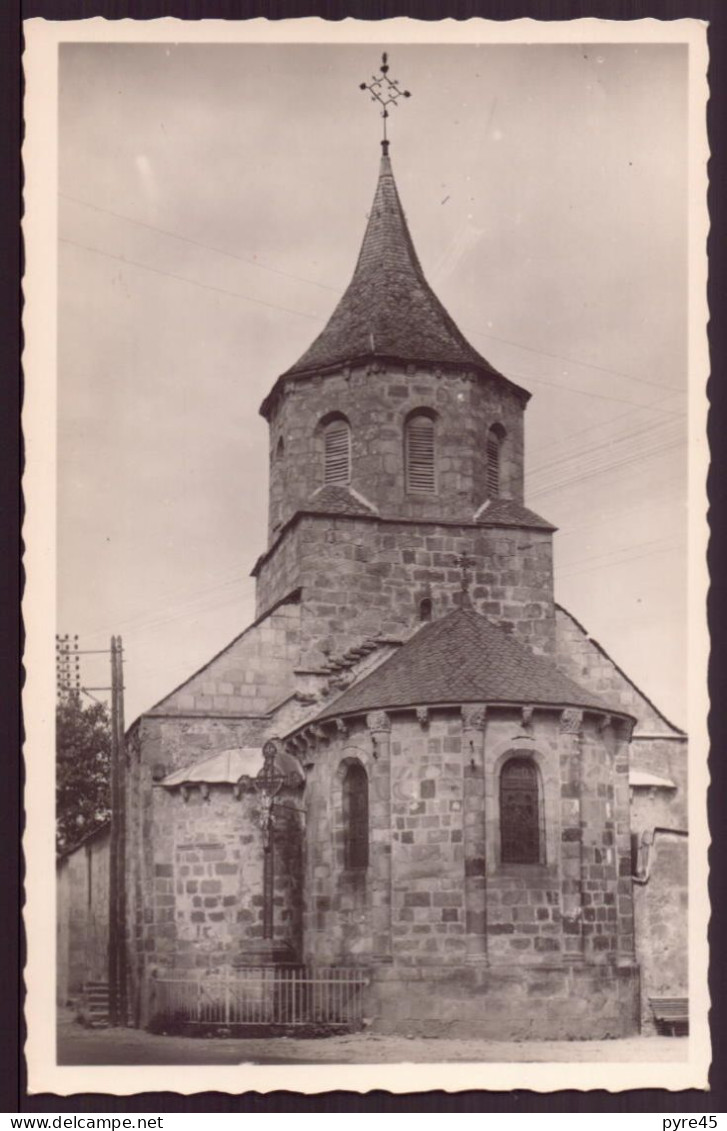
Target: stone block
{"points": [[417, 899]]}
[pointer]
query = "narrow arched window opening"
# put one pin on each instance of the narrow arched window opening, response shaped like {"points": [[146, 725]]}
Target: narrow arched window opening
{"points": [[419, 454], [494, 457], [425, 609], [356, 817], [280, 449], [520, 822], [337, 446]]}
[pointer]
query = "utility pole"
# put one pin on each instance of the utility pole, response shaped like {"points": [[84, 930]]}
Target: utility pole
{"points": [[117, 875]]}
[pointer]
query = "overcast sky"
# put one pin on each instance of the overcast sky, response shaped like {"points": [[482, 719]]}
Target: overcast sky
{"points": [[212, 203]]}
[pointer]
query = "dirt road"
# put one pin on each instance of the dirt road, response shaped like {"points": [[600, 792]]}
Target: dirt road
{"points": [[77, 1045]]}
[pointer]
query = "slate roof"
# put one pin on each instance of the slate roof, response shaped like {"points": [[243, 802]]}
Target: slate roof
{"points": [[338, 500], [389, 310], [463, 658], [506, 512]]}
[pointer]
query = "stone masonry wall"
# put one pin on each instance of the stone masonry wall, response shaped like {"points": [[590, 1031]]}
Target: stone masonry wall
{"points": [[428, 862], [585, 662], [363, 578], [157, 746], [661, 908], [338, 906], [435, 779], [576, 903], [660, 905], [250, 674], [556, 1002], [667, 758], [476, 947], [207, 904], [376, 402]]}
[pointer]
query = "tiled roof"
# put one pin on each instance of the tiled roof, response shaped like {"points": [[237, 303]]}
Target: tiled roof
{"points": [[388, 309], [506, 512], [463, 658], [338, 500]]}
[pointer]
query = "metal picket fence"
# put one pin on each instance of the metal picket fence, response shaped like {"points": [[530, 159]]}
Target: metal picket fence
{"points": [[272, 996]]}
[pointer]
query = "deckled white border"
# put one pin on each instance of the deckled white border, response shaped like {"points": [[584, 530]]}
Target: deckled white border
{"points": [[40, 156]]}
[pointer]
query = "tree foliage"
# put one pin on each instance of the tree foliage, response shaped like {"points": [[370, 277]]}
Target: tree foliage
{"points": [[83, 760]]}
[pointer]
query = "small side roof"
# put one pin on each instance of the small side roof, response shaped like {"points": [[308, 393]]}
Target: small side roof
{"points": [[642, 778], [224, 766], [230, 766]]}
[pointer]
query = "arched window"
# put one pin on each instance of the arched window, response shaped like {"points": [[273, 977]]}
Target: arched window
{"points": [[419, 454], [356, 817], [494, 451], [280, 449], [520, 830], [425, 609], [337, 447]]}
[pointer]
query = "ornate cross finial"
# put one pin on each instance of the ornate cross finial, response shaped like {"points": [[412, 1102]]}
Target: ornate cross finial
{"points": [[465, 562], [386, 92]]}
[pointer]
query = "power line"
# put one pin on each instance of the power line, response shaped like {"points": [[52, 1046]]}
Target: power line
{"points": [[618, 550], [601, 516], [589, 393], [337, 290], [607, 444], [565, 575], [318, 318], [205, 600], [594, 427], [198, 243], [575, 361], [617, 465], [579, 467], [184, 279]]}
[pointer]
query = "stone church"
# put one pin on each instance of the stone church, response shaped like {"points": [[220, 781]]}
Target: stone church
{"points": [[413, 761]]}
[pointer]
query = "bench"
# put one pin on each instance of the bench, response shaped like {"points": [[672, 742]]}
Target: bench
{"points": [[671, 1015]]}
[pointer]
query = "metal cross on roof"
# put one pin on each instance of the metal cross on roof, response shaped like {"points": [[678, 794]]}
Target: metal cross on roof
{"points": [[386, 92]]}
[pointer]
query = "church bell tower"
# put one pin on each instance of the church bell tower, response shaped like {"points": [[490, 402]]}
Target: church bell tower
{"points": [[396, 450]]}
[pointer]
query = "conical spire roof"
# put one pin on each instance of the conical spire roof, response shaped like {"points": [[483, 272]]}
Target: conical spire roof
{"points": [[388, 309]]}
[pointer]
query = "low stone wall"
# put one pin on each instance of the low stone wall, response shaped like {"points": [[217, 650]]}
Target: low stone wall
{"points": [[660, 906], [570, 1002], [82, 917]]}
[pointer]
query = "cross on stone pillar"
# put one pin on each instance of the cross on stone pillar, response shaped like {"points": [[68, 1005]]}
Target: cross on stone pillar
{"points": [[268, 783], [465, 562]]}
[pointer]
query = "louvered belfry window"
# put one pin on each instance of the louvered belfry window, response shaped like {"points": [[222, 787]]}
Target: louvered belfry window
{"points": [[519, 812], [493, 464], [337, 438], [356, 817], [420, 470]]}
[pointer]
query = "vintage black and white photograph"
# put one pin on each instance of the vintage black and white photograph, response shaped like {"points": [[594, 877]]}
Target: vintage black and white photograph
{"points": [[373, 408]]}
